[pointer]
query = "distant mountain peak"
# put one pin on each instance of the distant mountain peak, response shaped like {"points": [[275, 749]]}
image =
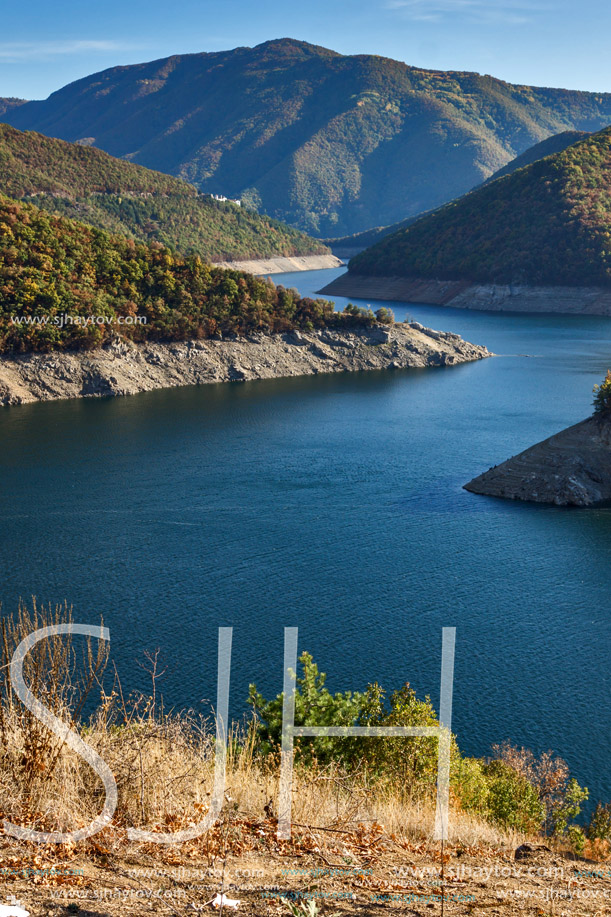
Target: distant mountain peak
{"points": [[333, 144], [294, 44]]}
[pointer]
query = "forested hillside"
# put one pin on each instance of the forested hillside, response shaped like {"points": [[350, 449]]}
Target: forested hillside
{"points": [[7, 104], [64, 284], [89, 185], [352, 244], [555, 144], [548, 223], [329, 143]]}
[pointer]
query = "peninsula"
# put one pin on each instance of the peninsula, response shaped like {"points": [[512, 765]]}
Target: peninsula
{"points": [[86, 313], [571, 468], [536, 240], [123, 367]]}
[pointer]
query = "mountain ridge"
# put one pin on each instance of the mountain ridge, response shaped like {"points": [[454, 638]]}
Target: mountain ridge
{"points": [[557, 143], [327, 142], [7, 104]]}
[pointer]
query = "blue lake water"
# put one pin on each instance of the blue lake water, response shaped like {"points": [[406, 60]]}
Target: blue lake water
{"points": [[335, 503]]}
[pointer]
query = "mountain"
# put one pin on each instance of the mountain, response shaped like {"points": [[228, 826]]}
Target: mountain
{"points": [[546, 224], [347, 246], [330, 143], [67, 285], [7, 104], [93, 187]]}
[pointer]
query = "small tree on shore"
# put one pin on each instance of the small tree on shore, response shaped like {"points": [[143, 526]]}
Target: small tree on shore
{"points": [[602, 394], [385, 316]]}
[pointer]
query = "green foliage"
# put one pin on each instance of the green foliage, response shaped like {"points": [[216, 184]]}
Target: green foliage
{"points": [[498, 793], [548, 223], [358, 241], [362, 315], [555, 144], [314, 706], [569, 809], [385, 316], [407, 763], [471, 785], [512, 801], [515, 790], [602, 395], [51, 266], [85, 184], [577, 838], [329, 143]]}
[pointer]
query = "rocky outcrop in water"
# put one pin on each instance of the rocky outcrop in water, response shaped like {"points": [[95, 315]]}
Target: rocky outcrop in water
{"points": [[572, 468], [124, 368]]}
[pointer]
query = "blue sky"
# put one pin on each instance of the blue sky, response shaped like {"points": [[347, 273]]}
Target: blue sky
{"points": [[563, 43]]}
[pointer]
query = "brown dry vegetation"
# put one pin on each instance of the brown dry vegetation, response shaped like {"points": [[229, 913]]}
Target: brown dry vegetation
{"points": [[351, 843]]}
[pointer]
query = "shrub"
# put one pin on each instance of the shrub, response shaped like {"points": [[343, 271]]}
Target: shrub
{"points": [[516, 790], [602, 394], [568, 808], [360, 315], [577, 838], [471, 785], [406, 763], [385, 316], [599, 826], [512, 801], [314, 706]]}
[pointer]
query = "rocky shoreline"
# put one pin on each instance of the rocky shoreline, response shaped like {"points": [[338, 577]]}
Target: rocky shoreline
{"points": [[571, 468], [284, 265], [125, 368], [462, 294]]}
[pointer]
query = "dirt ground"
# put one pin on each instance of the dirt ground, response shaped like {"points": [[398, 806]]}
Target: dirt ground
{"points": [[361, 872]]}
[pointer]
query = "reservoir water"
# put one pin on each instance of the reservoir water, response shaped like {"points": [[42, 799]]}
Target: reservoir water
{"points": [[335, 504]]}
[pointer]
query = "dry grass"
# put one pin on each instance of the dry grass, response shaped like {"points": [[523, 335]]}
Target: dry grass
{"points": [[163, 764], [164, 769]]}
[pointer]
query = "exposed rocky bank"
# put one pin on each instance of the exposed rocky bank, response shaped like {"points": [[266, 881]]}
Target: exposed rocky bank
{"points": [[284, 265], [125, 368], [462, 294], [571, 468]]}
